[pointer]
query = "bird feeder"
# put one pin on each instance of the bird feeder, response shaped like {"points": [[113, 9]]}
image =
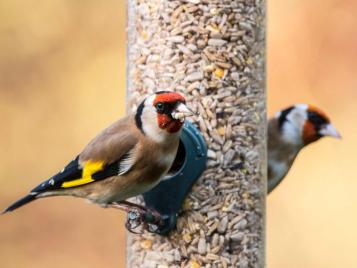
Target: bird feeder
{"points": [[213, 199], [167, 197]]}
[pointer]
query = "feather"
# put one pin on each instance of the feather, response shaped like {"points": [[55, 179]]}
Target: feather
{"points": [[23, 201], [126, 163]]}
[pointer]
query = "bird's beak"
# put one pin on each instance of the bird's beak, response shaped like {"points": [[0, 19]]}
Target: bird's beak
{"points": [[330, 130], [181, 111]]}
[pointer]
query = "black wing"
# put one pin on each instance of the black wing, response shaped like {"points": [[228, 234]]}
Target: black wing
{"points": [[71, 172], [73, 176]]}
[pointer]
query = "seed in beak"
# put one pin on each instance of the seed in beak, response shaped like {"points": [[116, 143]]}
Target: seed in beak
{"points": [[180, 112]]}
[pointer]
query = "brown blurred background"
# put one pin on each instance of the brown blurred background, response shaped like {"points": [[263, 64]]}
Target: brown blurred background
{"points": [[62, 80]]}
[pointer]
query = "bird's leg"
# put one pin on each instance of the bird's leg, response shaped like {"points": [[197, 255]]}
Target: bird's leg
{"points": [[149, 216], [151, 219], [138, 215], [134, 218]]}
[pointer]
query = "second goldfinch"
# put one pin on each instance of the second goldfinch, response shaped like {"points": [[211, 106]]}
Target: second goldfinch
{"points": [[288, 132], [126, 159]]}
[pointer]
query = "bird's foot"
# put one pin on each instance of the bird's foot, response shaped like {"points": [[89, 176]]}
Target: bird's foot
{"points": [[150, 220], [133, 220], [138, 215]]}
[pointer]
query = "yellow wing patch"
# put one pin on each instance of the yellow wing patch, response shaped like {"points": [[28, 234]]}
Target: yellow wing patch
{"points": [[89, 169]]}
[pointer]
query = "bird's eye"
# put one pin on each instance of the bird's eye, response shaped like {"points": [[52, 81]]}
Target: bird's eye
{"points": [[159, 107]]}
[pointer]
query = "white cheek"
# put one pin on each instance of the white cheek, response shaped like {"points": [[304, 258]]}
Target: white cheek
{"points": [[155, 133], [150, 125], [291, 133], [293, 127]]}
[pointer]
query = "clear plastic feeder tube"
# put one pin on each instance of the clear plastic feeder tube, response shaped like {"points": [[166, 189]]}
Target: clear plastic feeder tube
{"points": [[213, 51]]}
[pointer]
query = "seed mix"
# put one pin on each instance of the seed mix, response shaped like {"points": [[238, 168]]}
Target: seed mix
{"points": [[213, 51]]}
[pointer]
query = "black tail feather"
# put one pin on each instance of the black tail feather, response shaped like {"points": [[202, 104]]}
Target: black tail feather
{"points": [[19, 203]]}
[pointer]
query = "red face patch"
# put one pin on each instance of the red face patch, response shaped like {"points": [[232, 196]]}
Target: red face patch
{"points": [[316, 119], [164, 120], [309, 134], [169, 97]]}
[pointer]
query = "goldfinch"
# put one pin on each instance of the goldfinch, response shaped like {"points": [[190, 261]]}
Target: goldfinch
{"points": [[288, 132], [126, 159]]}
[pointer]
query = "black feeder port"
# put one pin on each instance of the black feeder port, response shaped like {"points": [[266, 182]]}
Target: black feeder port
{"points": [[167, 197]]}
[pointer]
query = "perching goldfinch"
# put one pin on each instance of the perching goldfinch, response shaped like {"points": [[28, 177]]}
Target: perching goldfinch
{"points": [[126, 159], [290, 131]]}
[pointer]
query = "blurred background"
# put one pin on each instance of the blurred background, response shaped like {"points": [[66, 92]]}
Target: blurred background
{"points": [[62, 66]]}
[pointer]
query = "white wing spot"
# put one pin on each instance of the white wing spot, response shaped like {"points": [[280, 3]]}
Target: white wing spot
{"points": [[126, 164]]}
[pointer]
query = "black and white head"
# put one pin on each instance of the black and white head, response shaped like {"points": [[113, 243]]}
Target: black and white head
{"points": [[303, 124], [162, 115]]}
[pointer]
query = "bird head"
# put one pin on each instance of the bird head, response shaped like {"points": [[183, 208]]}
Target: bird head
{"points": [[162, 114], [303, 124]]}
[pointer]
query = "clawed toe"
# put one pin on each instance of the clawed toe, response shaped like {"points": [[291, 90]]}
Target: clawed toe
{"points": [[150, 220], [151, 228], [138, 216]]}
